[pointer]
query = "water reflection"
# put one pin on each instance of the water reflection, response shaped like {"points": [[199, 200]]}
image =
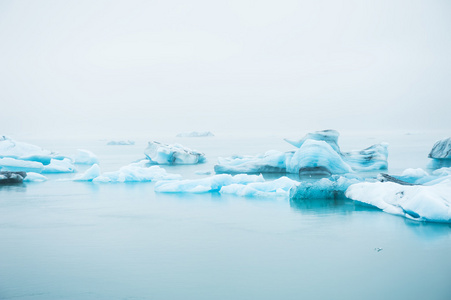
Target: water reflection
{"points": [[328, 206], [429, 231], [13, 187]]}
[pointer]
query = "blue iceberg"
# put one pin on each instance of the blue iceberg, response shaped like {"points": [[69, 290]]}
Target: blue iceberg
{"points": [[333, 187], [162, 154]]}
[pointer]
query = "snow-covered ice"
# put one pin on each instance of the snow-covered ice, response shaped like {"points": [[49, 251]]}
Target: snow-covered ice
{"points": [[441, 149], [330, 188], [421, 203], [34, 177], [59, 166], [135, 173], [203, 185], [195, 134], [163, 154], [85, 157]]}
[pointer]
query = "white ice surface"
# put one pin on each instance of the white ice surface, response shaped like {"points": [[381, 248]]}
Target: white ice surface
{"points": [[16, 165], [89, 174], [203, 185], [59, 166], [136, 173], [34, 177], [278, 187], [422, 203], [85, 157]]}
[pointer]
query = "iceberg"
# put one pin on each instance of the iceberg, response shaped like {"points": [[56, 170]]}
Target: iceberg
{"points": [[132, 173], [120, 143], [11, 177], [176, 154], [333, 187], [195, 134], [34, 177], [329, 136], [441, 149], [420, 203], [18, 165], [317, 152], [10, 148], [59, 166], [90, 174], [278, 187], [208, 184], [85, 157]]}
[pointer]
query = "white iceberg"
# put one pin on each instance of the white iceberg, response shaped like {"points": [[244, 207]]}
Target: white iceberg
{"points": [[85, 157], [121, 143], [278, 187], [195, 134], [17, 165], [134, 173], [208, 184], [421, 203], [318, 153], [59, 166], [441, 149], [24, 151], [163, 154], [34, 177], [325, 188], [90, 174]]}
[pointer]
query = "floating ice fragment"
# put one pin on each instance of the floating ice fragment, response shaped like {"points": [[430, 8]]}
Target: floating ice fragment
{"points": [[89, 174], [120, 143], [195, 134], [17, 165], [278, 187], [176, 154], [85, 157], [35, 177], [134, 173], [59, 166]]}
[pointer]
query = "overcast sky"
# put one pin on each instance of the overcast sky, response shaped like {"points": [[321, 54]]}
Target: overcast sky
{"points": [[102, 67]]}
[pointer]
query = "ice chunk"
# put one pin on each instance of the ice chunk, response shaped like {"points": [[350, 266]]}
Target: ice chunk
{"points": [[421, 203], [89, 174], [278, 187], [7, 177], [329, 136], [441, 149], [135, 173], [195, 134], [317, 156], [59, 166], [333, 187], [17, 165], [176, 154], [85, 157], [370, 159], [24, 151], [208, 184], [270, 162], [419, 176], [120, 143], [34, 177]]}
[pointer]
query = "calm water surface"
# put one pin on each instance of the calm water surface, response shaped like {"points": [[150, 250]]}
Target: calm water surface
{"points": [[72, 240]]}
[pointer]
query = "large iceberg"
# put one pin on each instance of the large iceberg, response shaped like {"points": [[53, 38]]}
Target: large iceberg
{"points": [[441, 149], [85, 157], [333, 187], [421, 203], [163, 154], [209, 184], [195, 134], [135, 172], [318, 153], [23, 157]]}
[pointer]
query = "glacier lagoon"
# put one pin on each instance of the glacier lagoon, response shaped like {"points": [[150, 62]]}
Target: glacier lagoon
{"points": [[84, 240]]}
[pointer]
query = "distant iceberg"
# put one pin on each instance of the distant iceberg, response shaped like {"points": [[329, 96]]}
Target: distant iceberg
{"points": [[135, 172], [318, 153], [209, 184], [333, 187], [85, 157], [421, 203], [163, 154], [441, 149], [195, 134], [121, 143]]}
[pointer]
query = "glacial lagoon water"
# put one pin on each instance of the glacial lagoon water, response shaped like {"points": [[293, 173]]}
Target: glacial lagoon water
{"points": [[80, 240]]}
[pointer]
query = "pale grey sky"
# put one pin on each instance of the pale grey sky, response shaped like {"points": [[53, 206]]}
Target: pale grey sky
{"points": [[102, 67]]}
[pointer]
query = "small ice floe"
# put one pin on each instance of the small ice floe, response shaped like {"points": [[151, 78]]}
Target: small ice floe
{"points": [[163, 154], [196, 134], [377, 249], [202, 172], [85, 157], [121, 143]]}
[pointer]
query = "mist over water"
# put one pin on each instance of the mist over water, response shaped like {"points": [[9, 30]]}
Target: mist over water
{"points": [[84, 68]]}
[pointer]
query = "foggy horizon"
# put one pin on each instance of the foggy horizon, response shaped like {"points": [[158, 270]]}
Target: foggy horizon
{"points": [[116, 68]]}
